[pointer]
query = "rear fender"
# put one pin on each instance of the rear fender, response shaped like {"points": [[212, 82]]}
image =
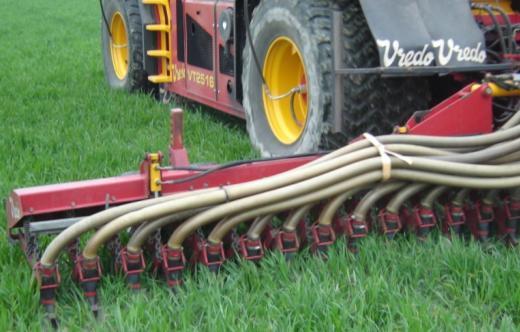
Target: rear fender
{"points": [[425, 33]]}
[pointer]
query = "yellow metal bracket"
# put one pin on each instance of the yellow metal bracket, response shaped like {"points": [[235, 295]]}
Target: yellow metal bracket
{"points": [[154, 160], [496, 91]]}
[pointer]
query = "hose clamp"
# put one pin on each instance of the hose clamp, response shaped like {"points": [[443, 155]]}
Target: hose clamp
{"points": [[386, 161]]}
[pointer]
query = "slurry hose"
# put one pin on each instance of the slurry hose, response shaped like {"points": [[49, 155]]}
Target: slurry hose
{"points": [[99, 219], [221, 211], [435, 193], [143, 233], [221, 230], [255, 230], [229, 193], [442, 179], [370, 199], [102, 218], [134, 246], [460, 197], [433, 141], [495, 151], [394, 205], [295, 217], [331, 177], [219, 195], [431, 197]]}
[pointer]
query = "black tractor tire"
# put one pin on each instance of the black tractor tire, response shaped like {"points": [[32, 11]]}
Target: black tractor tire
{"points": [[303, 22], [136, 78], [371, 103]]}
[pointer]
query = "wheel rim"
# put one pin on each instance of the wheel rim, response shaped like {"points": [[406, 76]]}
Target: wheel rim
{"points": [[284, 70], [119, 45]]}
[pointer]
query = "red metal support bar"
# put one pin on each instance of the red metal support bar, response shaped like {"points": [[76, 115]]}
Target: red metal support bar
{"points": [[44, 200], [178, 153], [74, 196], [467, 112]]}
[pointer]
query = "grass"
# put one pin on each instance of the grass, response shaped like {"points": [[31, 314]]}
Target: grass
{"points": [[59, 122]]}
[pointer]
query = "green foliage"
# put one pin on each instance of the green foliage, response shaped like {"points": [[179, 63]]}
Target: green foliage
{"points": [[59, 122]]}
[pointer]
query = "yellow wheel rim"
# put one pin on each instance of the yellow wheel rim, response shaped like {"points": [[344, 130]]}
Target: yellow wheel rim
{"points": [[284, 70], [119, 45]]}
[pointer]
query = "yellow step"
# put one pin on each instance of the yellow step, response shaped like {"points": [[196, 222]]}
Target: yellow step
{"points": [[158, 27], [159, 53], [156, 2], [159, 79]]}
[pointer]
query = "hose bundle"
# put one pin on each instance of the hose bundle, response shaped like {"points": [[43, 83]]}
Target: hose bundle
{"points": [[399, 166]]}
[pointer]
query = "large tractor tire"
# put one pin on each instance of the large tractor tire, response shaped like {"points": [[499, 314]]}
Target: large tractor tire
{"points": [[371, 103], [292, 41], [122, 46]]}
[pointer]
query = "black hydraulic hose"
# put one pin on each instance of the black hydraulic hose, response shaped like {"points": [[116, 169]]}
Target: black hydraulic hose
{"points": [[495, 22], [250, 41], [208, 171], [508, 24], [105, 18]]}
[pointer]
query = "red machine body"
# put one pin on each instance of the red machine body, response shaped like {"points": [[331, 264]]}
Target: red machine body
{"points": [[206, 78], [207, 69]]}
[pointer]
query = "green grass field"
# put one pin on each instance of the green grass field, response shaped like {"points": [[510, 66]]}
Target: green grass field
{"points": [[60, 122]]}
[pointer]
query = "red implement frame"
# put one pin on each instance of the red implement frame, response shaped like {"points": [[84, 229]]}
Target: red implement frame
{"points": [[465, 113]]}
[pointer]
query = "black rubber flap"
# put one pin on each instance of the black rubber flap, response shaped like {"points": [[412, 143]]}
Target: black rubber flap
{"points": [[420, 33]]}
